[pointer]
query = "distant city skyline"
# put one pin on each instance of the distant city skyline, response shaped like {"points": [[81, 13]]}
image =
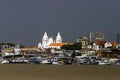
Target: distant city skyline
{"points": [[25, 21]]}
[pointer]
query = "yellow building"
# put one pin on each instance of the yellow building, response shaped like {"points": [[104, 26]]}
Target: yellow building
{"points": [[9, 50], [30, 51]]}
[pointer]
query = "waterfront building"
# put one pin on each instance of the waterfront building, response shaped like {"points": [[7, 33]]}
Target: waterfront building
{"points": [[31, 50], [108, 44], [83, 41]]}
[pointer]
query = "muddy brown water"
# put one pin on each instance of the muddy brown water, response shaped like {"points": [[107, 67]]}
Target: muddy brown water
{"points": [[58, 72]]}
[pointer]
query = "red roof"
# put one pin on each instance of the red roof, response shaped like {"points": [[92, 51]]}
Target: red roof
{"points": [[99, 42], [57, 44], [113, 43]]}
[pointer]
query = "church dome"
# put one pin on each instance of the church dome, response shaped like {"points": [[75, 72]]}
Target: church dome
{"points": [[58, 38]]}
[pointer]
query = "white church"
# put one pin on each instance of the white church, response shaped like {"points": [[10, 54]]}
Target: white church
{"points": [[49, 42]]}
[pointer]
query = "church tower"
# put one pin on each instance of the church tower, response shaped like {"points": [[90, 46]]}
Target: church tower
{"points": [[58, 38], [45, 40]]}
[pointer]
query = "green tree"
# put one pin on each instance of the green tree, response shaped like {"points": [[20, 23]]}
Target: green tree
{"points": [[75, 46]]}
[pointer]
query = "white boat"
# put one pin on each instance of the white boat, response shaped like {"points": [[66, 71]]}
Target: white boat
{"points": [[55, 62], [4, 61], [45, 62], [104, 62]]}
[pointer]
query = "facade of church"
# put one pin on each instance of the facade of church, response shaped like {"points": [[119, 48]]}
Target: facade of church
{"points": [[47, 41]]}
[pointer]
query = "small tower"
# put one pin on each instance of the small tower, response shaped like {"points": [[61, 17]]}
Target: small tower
{"points": [[17, 49], [58, 38], [44, 40], [39, 45]]}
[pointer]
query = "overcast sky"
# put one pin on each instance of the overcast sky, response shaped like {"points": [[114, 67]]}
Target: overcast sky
{"points": [[25, 21]]}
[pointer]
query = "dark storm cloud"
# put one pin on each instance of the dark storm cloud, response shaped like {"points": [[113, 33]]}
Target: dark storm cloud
{"points": [[25, 21]]}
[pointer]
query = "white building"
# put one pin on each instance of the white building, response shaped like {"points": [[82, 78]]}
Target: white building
{"points": [[46, 41], [108, 44]]}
